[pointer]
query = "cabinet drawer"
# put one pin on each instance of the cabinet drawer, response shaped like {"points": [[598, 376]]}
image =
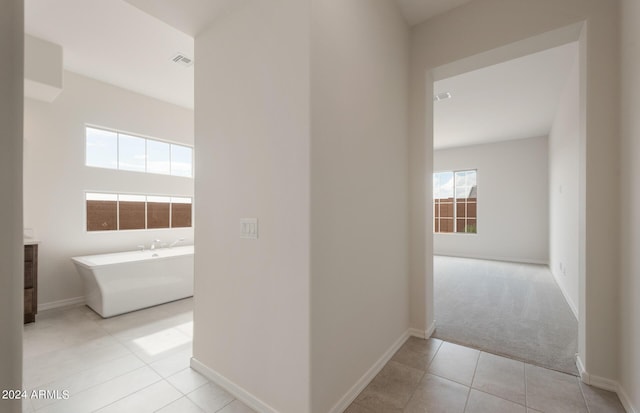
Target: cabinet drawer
{"points": [[28, 253], [28, 301], [28, 274]]}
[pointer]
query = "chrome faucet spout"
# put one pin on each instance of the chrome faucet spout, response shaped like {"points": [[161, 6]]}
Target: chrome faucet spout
{"points": [[174, 243]]}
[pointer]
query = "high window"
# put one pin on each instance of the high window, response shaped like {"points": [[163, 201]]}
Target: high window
{"points": [[113, 212], [115, 150], [455, 202]]}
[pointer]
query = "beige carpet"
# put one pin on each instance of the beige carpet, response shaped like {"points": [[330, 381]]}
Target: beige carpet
{"points": [[515, 310]]}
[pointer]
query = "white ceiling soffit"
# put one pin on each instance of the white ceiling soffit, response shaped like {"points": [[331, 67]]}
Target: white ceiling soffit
{"points": [[517, 99], [188, 16], [117, 43], [417, 11]]}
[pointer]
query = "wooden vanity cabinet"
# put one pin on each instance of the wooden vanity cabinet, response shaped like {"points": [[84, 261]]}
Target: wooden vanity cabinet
{"points": [[30, 282]]}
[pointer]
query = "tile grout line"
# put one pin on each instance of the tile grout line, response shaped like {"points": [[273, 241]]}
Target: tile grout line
{"points": [[415, 389], [172, 401], [130, 394], [426, 371], [146, 364], [87, 369], [583, 397], [526, 392], [473, 377]]}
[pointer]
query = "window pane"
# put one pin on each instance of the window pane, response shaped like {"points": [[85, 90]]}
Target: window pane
{"points": [[181, 160], [462, 192], [102, 212], [131, 153], [132, 211], [443, 185], [158, 212], [101, 148], [471, 178], [181, 212], [446, 210], [471, 210], [446, 225], [158, 160], [471, 226], [455, 192]]}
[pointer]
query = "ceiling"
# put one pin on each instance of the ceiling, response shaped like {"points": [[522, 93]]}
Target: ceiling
{"points": [[516, 99], [417, 11], [130, 43], [188, 16], [117, 43]]}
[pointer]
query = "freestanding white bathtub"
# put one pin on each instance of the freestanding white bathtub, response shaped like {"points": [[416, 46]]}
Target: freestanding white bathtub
{"points": [[126, 281]]}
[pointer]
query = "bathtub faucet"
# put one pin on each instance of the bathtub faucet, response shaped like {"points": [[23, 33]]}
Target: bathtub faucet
{"points": [[174, 243], [154, 244]]}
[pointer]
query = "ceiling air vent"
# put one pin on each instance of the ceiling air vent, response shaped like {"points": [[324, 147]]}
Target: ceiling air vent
{"points": [[442, 96], [183, 60]]}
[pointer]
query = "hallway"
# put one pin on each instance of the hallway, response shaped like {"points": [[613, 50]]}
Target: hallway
{"points": [[438, 376]]}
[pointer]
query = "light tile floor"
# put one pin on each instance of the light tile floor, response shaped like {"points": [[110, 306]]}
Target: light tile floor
{"points": [[136, 362], [139, 362], [437, 376]]}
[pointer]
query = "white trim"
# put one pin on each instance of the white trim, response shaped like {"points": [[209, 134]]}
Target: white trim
{"points": [[582, 372], [430, 330], [595, 381], [626, 401], [564, 292], [366, 378], [67, 302], [239, 392], [423, 334], [415, 332], [605, 384], [489, 258]]}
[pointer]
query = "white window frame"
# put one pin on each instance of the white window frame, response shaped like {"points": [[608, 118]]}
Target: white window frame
{"points": [[147, 139], [455, 203], [118, 194]]}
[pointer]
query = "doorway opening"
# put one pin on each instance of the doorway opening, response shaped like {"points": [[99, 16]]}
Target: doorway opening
{"points": [[506, 207]]}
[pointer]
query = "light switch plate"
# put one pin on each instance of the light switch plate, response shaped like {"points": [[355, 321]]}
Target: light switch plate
{"points": [[249, 228]]}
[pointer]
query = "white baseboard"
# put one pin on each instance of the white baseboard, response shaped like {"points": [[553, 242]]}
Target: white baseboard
{"points": [[239, 392], [414, 332], [68, 302], [582, 372], [430, 330], [626, 401], [250, 400], [366, 378], [493, 258], [605, 384]]}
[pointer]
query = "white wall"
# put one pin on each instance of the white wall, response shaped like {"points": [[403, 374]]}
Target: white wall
{"points": [[513, 213], [630, 213], [564, 178], [11, 249], [359, 157], [55, 177], [43, 69], [251, 316], [279, 139], [483, 26]]}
